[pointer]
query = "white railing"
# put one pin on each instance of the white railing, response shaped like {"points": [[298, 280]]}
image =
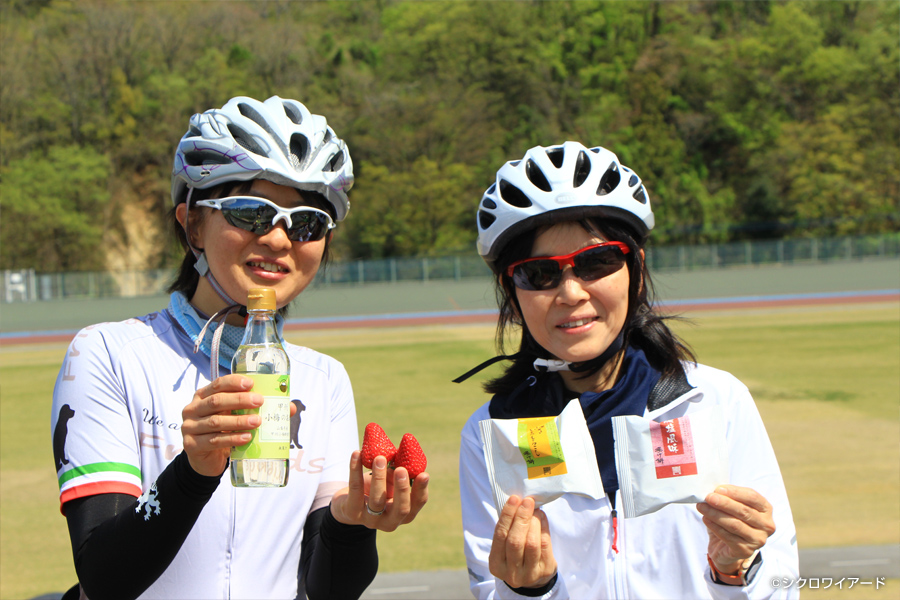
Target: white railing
{"points": [[26, 285]]}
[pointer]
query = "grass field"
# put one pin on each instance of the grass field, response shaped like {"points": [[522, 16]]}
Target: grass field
{"points": [[827, 381]]}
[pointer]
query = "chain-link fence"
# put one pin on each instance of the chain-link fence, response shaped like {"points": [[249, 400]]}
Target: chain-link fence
{"points": [[26, 285]]}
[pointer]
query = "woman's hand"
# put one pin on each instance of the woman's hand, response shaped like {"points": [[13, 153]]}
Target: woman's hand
{"points": [[521, 552], [210, 429], [379, 500], [739, 521]]}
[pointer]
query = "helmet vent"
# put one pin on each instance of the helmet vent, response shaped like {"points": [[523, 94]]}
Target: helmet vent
{"points": [[513, 195], [205, 157], [582, 169], [485, 220], [633, 180], [488, 203], [251, 113], [299, 148], [556, 156], [245, 140], [536, 176], [292, 113], [491, 189], [336, 161], [609, 181], [640, 195]]}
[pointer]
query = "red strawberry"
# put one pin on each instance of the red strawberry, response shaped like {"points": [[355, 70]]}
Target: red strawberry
{"points": [[376, 443], [410, 456]]}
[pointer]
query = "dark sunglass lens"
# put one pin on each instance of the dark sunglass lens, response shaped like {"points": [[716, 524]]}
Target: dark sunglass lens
{"points": [[537, 275], [307, 227], [248, 215], [598, 263]]}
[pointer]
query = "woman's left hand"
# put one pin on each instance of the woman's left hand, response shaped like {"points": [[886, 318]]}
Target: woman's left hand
{"points": [[380, 499], [739, 521]]}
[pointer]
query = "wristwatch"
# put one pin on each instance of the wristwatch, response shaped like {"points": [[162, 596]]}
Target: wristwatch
{"points": [[744, 575]]}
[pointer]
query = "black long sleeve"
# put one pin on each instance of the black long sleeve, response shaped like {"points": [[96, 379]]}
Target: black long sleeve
{"points": [[109, 530], [337, 561]]}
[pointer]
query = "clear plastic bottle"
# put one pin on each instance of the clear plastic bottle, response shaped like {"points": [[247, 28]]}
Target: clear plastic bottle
{"points": [[264, 460]]}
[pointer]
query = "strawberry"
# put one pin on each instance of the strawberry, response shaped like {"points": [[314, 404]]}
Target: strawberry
{"points": [[410, 456], [376, 443]]}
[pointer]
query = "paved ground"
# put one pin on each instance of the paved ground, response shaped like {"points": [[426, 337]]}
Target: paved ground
{"points": [[863, 562]]}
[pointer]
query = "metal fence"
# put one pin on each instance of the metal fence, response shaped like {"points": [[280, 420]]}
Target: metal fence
{"points": [[28, 286]]}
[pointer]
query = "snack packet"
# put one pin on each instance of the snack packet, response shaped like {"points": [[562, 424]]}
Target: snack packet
{"points": [[675, 461], [541, 457]]}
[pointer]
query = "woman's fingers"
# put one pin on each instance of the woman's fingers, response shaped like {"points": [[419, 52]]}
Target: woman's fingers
{"points": [[739, 521], [377, 499], [418, 496], [521, 553], [210, 427], [518, 537], [740, 512]]}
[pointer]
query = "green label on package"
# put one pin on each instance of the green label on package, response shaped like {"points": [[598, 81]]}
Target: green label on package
{"points": [[272, 439], [540, 447]]}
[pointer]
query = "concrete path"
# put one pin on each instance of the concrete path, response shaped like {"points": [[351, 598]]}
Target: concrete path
{"points": [[863, 562]]}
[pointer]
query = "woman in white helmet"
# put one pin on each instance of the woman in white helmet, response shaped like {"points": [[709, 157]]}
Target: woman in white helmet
{"points": [[143, 422], [564, 229]]}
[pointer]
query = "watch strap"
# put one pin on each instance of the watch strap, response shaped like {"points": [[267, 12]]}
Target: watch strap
{"points": [[744, 575]]}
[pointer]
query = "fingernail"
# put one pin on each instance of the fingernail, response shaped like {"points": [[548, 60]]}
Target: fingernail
{"points": [[380, 462], [246, 383], [254, 420], [721, 490]]}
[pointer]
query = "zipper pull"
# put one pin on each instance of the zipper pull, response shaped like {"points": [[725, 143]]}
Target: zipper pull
{"points": [[615, 524]]}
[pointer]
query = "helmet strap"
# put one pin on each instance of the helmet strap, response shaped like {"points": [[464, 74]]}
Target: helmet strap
{"points": [[201, 264]]}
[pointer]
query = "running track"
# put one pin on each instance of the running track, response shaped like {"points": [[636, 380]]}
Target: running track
{"points": [[490, 315]]}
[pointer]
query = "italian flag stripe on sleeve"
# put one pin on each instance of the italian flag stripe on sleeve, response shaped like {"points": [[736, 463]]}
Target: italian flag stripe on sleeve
{"points": [[99, 478]]}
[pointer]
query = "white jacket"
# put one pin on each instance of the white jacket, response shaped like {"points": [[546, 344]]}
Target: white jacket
{"points": [[660, 555]]}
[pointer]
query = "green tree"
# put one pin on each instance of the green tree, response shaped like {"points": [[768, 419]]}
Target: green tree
{"points": [[54, 210]]}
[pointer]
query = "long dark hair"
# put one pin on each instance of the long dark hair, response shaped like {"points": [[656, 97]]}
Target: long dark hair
{"points": [[644, 327], [187, 277]]}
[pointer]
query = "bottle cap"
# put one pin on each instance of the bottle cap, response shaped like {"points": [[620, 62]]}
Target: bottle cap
{"points": [[261, 299]]}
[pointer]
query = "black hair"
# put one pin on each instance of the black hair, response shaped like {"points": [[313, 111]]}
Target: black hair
{"points": [[644, 327], [187, 277]]}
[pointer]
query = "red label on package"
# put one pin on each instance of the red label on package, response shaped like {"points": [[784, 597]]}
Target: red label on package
{"points": [[673, 448]]}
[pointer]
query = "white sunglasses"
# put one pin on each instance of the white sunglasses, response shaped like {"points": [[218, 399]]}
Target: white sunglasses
{"points": [[259, 216]]}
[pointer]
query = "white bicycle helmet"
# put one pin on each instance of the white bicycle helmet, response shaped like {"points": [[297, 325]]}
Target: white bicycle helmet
{"points": [[278, 140], [555, 183]]}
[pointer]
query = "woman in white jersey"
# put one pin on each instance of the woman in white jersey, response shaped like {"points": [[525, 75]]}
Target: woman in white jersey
{"points": [[564, 229], [142, 421]]}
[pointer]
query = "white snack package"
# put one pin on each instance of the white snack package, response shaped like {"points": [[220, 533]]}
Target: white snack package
{"points": [[674, 461], [541, 457]]}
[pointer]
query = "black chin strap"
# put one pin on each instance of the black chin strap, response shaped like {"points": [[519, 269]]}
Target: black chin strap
{"points": [[588, 366], [595, 364], [485, 365]]}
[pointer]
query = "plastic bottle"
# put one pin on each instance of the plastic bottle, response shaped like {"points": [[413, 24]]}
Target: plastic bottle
{"points": [[264, 460]]}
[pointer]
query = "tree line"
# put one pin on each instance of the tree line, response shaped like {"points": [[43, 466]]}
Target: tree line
{"points": [[744, 119]]}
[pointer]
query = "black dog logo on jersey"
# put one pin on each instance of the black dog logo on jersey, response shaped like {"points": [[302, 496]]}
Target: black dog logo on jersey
{"points": [[59, 435], [295, 424]]}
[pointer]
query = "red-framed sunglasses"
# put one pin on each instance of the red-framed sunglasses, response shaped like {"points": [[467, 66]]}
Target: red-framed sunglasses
{"points": [[588, 264]]}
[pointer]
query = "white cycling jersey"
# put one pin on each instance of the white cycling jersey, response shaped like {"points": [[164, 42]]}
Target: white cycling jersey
{"points": [[659, 555], [116, 425]]}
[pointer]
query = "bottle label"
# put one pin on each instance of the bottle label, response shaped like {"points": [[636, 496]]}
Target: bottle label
{"points": [[272, 439]]}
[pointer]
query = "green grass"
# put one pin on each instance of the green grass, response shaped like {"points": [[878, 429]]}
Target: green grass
{"points": [[827, 382]]}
